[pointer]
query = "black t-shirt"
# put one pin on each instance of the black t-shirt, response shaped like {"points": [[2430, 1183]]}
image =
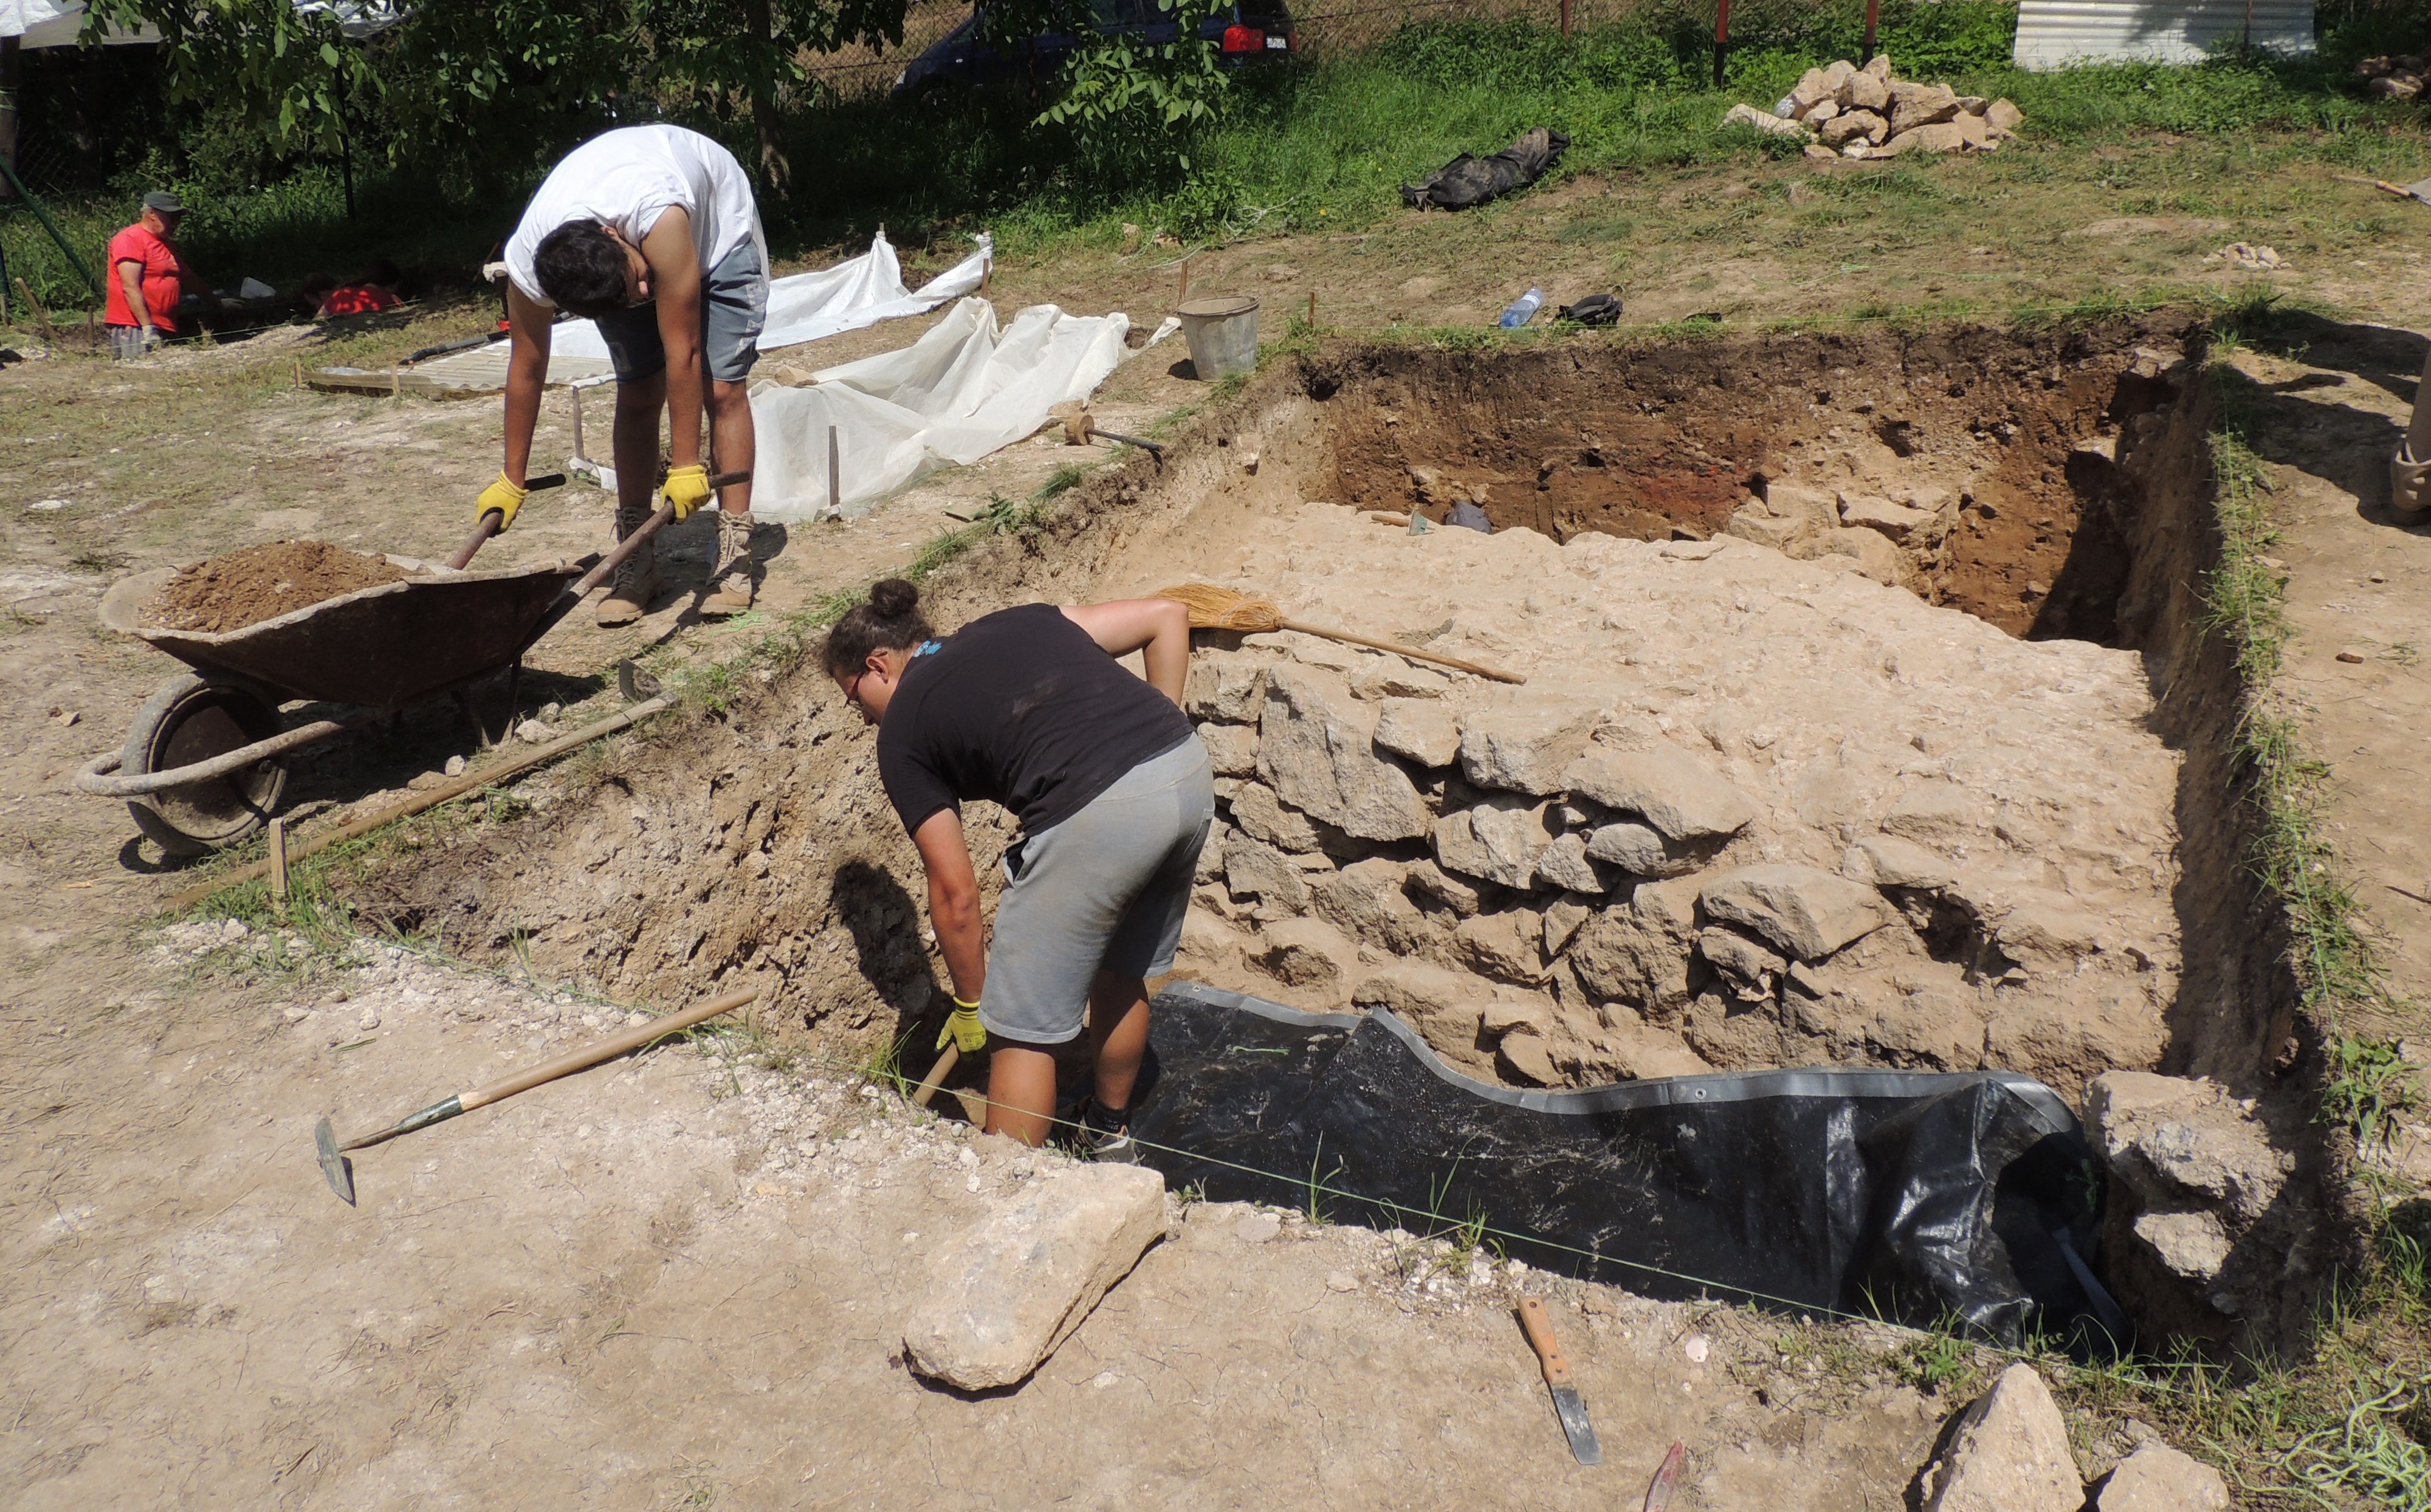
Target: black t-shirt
{"points": [[1023, 709]]}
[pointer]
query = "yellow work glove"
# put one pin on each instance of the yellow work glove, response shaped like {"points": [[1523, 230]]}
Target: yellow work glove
{"points": [[503, 496], [964, 1028], [687, 489]]}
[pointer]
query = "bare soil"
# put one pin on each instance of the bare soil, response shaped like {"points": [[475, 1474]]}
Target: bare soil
{"points": [[525, 1311], [254, 583]]}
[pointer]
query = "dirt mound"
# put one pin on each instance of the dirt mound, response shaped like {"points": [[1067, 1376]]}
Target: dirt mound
{"points": [[247, 586]]}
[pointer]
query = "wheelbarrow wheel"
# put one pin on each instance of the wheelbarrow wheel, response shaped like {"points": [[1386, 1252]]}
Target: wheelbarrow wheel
{"points": [[193, 719]]}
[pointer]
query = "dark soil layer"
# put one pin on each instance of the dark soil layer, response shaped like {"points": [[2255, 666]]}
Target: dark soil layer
{"points": [[254, 583], [1656, 443]]}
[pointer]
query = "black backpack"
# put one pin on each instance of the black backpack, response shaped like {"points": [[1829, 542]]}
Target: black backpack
{"points": [[1595, 309]]}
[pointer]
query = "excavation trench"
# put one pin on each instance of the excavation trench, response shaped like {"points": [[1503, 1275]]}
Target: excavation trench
{"points": [[1868, 722]]}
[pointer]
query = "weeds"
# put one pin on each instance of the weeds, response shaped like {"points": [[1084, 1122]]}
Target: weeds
{"points": [[2369, 1083]]}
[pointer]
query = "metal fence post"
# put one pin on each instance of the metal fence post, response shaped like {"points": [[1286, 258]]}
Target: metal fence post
{"points": [[1721, 41], [1873, 15]]}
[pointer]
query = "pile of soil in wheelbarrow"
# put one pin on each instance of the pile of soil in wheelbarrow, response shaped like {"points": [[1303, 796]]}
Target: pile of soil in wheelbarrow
{"points": [[247, 586]]}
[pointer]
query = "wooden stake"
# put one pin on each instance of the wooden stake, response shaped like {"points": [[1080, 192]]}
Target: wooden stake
{"points": [[835, 476], [396, 381], [299, 373], [573, 396], [278, 864], [1186, 278], [1311, 309]]}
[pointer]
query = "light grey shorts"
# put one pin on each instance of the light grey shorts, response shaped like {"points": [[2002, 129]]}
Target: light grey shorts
{"points": [[734, 312], [1103, 891]]}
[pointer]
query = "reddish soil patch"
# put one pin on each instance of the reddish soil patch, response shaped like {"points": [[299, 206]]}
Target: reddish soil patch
{"points": [[254, 583]]}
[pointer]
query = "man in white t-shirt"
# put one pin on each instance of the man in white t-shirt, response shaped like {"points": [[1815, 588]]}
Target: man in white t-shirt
{"points": [[651, 231]]}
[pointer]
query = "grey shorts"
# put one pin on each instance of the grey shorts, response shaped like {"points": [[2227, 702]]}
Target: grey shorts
{"points": [[1103, 891], [734, 312], [125, 342]]}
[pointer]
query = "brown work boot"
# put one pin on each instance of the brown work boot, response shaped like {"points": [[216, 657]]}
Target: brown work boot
{"points": [[729, 581], [636, 581]]}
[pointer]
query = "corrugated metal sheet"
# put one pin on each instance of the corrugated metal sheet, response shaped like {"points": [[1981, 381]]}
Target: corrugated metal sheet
{"points": [[2054, 33]]}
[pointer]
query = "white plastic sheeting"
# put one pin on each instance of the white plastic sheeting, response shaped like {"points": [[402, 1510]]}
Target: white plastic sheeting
{"points": [[2057, 33], [961, 391], [804, 307], [39, 23]]}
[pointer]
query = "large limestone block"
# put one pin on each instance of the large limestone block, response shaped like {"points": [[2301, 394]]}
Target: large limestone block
{"points": [[1934, 810], [1865, 92], [1637, 953], [1895, 863], [2003, 117], [1805, 911], [1231, 749], [1898, 521], [1369, 900], [2157, 1478], [1255, 871], [2010, 1454], [998, 1300], [2181, 1143], [1565, 865], [1500, 840], [1310, 957], [1258, 812], [1858, 124], [1640, 851], [1226, 687], [1921, 104], [1672, 790], [1523, 745], [1316, 747], [1942, 135], [1446, 1007], [1508, 946], [1873, 554], [1431, 882], [1424, 730]]}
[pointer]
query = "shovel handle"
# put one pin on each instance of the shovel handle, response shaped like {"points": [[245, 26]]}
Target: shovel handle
{"points": [[1479, 668], [493, 521], [1539, 1330], [937, 1074]]}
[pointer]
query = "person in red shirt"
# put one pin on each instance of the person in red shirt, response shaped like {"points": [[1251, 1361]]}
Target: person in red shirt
{"points": [[147, 279]]}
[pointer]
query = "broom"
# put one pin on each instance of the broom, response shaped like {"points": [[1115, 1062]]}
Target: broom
{"points": [[1214, 608]]}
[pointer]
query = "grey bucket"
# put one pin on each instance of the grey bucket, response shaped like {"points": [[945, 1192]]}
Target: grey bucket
{"points": [[1222, 331]]}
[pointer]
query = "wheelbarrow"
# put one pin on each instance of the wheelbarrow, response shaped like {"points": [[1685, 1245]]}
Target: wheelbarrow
{"points": [[205, 765]]}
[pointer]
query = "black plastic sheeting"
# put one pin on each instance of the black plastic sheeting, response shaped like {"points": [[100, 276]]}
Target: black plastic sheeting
{"points": [[1467, 182], [1925, 1198]]}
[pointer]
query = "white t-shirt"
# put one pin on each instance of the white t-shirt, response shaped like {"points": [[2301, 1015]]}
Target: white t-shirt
{"points": [[625, 178]]}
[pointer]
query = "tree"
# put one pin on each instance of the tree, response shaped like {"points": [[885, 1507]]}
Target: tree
{"points": [[469, 89]]}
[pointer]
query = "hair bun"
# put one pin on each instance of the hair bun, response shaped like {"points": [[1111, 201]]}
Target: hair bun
{"points": [[894, 597]]}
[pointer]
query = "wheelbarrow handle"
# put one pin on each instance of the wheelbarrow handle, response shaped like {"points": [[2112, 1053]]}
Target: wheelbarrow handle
{"points": [[494, 520]]}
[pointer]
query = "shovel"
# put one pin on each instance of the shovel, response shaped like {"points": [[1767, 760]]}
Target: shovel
{"points": [[1214, 608], [493, 521], [341, 1171]]}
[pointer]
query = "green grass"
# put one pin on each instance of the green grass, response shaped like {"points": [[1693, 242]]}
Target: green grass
{"points": [[1325, 146]]}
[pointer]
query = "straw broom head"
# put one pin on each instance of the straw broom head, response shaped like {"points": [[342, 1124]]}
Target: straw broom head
{"points": [[1214, 608]]}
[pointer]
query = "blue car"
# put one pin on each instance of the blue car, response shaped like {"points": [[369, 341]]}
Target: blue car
{"points": [[1244, 33]]}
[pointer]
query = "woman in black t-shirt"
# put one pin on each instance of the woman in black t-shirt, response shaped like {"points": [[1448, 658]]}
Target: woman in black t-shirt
{"points": [[1028, 709]]}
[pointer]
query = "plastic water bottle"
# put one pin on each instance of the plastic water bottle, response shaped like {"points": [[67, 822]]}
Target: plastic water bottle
{"points": [[1523, 310]]}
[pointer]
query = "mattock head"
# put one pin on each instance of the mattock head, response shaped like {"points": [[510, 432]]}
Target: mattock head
{"points": [[334, 1165]]}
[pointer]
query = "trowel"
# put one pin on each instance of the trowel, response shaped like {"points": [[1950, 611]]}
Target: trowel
{"points": [[341, 1171], [2419, 191], [1568, 1405]]}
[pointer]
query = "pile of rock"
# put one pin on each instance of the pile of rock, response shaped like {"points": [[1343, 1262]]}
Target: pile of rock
{"points": [[2395, 78], [2009, 1453], [1765, 816], [1865, 112]]}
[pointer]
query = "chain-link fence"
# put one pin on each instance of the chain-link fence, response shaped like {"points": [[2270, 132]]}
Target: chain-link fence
{"points": [[1326, 29]]}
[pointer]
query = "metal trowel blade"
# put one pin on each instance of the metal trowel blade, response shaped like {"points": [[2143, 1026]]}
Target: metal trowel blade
{"points": [[1572, 1410], [336, 1166], [634, 683], [2420, 189]]}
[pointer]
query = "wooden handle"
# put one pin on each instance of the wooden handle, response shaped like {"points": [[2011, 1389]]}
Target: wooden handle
{"points": [[614, 1044], [1398, 649], [1540, 1338], [937, 1074]]}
